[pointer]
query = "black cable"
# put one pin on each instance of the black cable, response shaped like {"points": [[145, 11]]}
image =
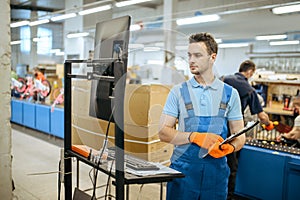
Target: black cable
{"points": [[109, 175], [59, 181], [100, 156]]}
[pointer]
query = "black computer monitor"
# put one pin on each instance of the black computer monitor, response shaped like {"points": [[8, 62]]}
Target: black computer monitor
{"points": [[111, 41]]}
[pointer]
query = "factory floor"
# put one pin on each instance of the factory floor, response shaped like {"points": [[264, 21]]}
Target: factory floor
{"points": [[35, 170]]}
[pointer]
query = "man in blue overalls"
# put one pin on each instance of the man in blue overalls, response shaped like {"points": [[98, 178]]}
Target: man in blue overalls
{"points": [[203, 106]]}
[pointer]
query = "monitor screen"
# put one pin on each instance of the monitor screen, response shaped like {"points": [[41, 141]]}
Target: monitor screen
{"points": [[111, 41]]}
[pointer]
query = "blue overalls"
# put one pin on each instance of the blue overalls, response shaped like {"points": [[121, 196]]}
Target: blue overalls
{"points": [[205, 178]]}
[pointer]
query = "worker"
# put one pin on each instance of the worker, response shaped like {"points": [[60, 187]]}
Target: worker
{"points": [[38, 74], [249, 98], [294, 134], [203, 106]]}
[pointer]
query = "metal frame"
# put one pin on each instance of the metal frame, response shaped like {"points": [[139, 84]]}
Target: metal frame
{"points": [[119, 134], [119, 176]]}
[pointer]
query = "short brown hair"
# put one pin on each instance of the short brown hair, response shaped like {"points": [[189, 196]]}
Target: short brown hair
{"points": [[247, 65], [208, 39]]}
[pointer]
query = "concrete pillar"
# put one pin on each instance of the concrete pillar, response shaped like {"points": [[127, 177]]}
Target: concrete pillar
{"points": [[169, 31], [33, 62], [5, 133]]}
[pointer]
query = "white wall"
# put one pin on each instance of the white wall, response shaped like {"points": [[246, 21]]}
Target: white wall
{"points": [[229, 60]]}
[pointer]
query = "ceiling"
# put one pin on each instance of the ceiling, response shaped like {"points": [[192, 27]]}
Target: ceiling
{"points": [[240, 20]]}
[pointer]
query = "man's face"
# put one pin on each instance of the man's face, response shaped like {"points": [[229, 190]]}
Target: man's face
{"points": [[199, 60], [296, 109], [249, 73]]}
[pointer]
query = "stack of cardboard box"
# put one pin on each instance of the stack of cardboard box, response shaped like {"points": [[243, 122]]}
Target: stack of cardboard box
{"points": [[143, 105]]}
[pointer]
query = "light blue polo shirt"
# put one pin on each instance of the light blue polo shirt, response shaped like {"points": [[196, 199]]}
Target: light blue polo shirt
{"points": [[206, 101]]}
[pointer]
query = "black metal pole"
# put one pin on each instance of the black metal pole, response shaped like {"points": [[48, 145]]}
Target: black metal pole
{"points": [[119, 92], [67, 131]]}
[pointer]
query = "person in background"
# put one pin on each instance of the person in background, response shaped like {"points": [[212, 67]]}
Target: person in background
{"points": [[203, 106], [294, 134], [249, 99], [38, 74]]}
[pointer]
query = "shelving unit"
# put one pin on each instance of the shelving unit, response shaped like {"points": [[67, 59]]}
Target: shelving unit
{"points": [[49, 70], [282, 62]]}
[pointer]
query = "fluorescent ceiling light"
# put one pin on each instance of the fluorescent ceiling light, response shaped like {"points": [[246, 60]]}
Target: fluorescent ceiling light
{"points": [[94, 10], [181, 48], [151, 49], [65, 16], [38, 22], [288, 42], [286, 9], [218, 40], [18, 24], [75, 35], [155, 62], [136, 46], [197, 19], [36, 39], [270, 37], [60, 53], [134, 27], [233, 45], [130, 2], [15, 42], [54, 50]]}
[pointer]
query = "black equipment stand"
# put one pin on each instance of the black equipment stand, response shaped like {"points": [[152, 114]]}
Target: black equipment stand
{"points": [[120, 177], [119, 109]]}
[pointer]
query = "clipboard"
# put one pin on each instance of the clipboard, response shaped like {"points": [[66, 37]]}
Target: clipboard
{"points": [[248, 127]]}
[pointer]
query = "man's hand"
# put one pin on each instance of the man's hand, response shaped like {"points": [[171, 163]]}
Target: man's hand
{"points": [[205, 140], [218, 151]]}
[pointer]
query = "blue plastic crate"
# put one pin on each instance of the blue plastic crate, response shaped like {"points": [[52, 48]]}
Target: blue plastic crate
{"points": [[57, 122], [29, 114], [16, 111], [42, 115]]}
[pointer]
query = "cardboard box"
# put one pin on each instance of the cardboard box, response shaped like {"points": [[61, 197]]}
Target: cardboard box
{"points": [[143, 104], [137, 139], [154, 151]]}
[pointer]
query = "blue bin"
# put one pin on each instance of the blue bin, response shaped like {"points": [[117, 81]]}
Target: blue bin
{"points": [[57, 122], [42, 115], [16, 111], [29, 114]]}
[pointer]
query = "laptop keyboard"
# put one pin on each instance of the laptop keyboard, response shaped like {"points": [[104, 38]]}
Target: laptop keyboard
{"points": [[133, 162]]}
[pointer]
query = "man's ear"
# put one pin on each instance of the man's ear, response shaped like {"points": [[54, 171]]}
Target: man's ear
{"points": [[213, 56]]}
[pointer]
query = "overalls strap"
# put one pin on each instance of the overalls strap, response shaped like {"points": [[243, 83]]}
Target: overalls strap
{"points": [[225, 99], [187, 99]]}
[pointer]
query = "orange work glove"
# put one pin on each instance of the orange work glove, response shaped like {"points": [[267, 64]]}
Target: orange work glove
{"points": [[204, 140], [218, 151]]}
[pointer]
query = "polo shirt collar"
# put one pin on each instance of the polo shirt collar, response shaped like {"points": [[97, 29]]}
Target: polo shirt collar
{"points": [[215, 84], [240, 75]]}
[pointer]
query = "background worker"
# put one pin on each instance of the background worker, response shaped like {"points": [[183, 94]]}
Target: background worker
{"points": [[38, 74], [294, 134], [203, 106], [249, 98]]}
